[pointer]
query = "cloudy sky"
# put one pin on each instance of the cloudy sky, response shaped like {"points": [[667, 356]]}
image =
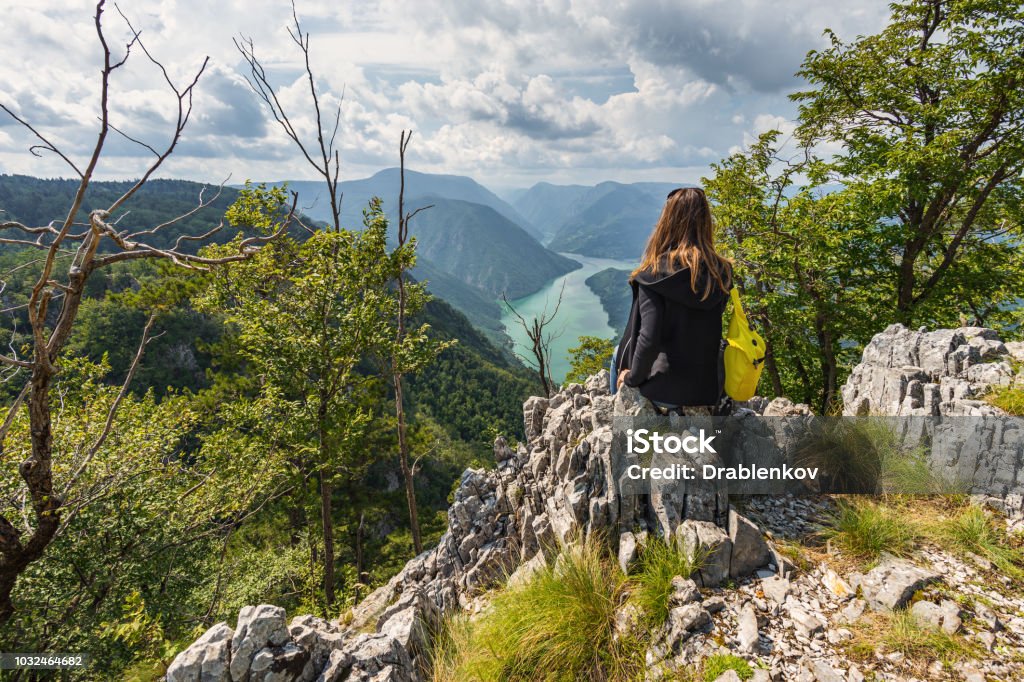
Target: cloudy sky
{"points": [[510, 92]]}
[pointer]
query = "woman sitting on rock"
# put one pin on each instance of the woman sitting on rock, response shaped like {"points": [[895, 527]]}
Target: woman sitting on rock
{"points": [[670, 350]]}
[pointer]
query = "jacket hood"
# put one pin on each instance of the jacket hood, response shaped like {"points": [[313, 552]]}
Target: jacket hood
{"points": [[674, 284]]}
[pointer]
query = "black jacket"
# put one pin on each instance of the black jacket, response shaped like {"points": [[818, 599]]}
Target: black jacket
{"points": [[672, 341]]}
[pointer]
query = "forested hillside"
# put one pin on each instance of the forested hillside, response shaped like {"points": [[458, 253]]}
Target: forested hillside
{"points": [[615, 224], [38, 201], [477, 245], [612, 287]]}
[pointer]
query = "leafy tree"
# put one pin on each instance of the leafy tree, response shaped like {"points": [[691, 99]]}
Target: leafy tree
{"points": [[120, 578], [307, 315], [70, 252], [930, 116], [806, 262], [591, 356]]}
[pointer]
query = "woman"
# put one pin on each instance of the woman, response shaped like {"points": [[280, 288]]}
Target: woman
{"points": [[670, 349]]}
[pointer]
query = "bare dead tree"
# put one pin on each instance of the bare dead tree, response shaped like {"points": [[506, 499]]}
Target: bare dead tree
{"points": [[396, 371], [325, 159], [50, 502], [541, 336], [324, 156]]}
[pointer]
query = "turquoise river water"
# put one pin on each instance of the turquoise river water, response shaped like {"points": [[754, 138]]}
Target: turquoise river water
{"points": [[580, 313]]}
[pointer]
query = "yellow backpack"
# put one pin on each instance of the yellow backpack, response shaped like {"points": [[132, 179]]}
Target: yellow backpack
{"points": [[744, 354]]}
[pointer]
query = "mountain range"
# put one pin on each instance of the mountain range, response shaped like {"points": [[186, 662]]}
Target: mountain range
{"points": [[609, 220], [473, 246]]}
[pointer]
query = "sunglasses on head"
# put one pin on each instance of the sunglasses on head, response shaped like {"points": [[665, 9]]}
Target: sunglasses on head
{"points": [[677, 190]]}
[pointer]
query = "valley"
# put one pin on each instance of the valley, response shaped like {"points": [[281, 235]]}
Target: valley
{"points": [[580, 314]]}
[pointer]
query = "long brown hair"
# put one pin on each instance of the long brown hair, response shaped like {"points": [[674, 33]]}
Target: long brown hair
{"points": [[684, 237]]}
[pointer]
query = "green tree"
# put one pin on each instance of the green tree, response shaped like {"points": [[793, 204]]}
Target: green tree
{"points": [[589, 357], [139, 522], [307, 314], [806, 263], [930, 117]]}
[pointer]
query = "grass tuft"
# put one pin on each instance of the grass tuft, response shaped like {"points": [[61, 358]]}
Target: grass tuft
{"points": [[900, 631], [714, 666], [651, 583], [973, 530], [555, 625], [865, 530], [1008, 399]]}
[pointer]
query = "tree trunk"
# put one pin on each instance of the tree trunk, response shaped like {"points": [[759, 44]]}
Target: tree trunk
{"points": [[407, 473], [36, 472], [328, 529], [359, 554], [773, 371]]}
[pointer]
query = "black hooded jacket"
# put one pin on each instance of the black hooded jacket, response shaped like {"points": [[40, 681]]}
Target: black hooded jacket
{"points": [[672, 341]]}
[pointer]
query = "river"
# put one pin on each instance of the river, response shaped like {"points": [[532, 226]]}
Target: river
{"points": [[580, 313]]}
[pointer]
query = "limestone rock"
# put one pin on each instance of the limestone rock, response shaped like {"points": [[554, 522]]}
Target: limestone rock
{"points": [[684, 591], [805, 622], [205, 660], [776, 588], [747, 635], [749, 549], [682, 620], [258, 627], [892, 583], [703, 538]]}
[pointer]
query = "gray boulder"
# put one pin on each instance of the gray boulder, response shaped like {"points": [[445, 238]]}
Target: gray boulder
{"points": [[205, 660], [891, 584], [258, 627], [749, 549]]}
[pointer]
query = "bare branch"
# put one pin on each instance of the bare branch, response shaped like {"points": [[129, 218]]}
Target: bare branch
{"points": [[112, 412], [46, 144]]}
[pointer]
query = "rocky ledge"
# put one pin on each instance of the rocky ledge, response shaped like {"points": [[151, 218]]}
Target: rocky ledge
{"points": [[559, 485]]}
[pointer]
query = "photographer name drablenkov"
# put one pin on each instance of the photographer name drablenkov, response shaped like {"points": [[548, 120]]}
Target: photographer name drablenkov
{"points": [[710, 472]]}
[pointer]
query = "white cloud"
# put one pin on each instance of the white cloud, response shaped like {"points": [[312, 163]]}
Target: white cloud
{"points": [[510, 91]]}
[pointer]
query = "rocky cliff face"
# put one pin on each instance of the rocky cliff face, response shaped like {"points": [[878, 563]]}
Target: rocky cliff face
{"points": [[560, 484], [921, 373]]}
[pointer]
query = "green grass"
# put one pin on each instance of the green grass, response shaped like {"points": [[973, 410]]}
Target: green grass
{"points": [[557, 625], [1007, 399], [864, 530], [972, 529], [899, 631], [717, 664], [651, 583]]}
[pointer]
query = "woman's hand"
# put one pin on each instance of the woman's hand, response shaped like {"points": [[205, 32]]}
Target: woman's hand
{"points": [[622, 378]]}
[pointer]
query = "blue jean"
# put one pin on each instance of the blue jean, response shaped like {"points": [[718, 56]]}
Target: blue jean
{"points": [[613, 379]]}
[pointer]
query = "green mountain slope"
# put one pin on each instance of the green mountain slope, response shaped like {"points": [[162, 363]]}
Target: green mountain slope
{"points": [[548, 206], [478, 246], [611, 285], [568, 214], [385, 184], [614, 226], [37, 201]]}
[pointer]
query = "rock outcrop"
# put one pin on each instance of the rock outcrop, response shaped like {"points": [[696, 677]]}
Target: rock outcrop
{"points": [[938, 373], [561, 484], [557, 486]]}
